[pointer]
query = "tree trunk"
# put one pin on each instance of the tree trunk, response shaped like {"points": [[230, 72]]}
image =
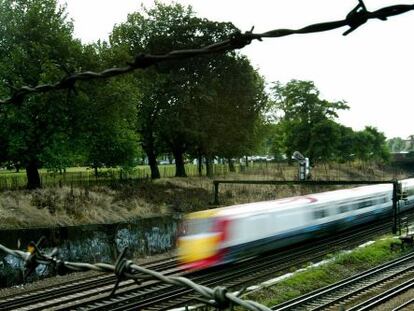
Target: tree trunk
{"points": [[209, 167], [247, 161], [149, 147], [231, 165], [200, 165], [32, 173], [152, 161], [95, 169], [179, 163]]}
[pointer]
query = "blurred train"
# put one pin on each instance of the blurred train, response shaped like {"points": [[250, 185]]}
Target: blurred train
{"points": [[232, 233]]}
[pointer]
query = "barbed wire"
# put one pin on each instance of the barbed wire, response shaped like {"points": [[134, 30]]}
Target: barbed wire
{"points": [[354, 19], [218, 297]]}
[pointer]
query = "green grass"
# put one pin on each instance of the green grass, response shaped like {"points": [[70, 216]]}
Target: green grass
{"points": [[341, 266]]}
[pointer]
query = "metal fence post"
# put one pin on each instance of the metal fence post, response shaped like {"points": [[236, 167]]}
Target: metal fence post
{"points": [[216, 192], [394, 206]]}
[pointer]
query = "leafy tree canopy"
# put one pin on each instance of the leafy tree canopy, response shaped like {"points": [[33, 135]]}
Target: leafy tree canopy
{"points": [[307, 122], [206, 105], [36, 46]]}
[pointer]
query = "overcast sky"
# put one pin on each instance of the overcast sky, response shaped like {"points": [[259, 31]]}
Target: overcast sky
{"points": [[371, 68]]}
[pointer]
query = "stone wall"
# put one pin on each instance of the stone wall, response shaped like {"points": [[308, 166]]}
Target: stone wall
{"points": [[91, 243]]}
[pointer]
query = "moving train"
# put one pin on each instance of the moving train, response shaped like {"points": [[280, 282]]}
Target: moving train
{"points": [[232, 233]]}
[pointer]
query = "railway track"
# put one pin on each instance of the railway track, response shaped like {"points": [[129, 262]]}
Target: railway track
{"points": [[82, 288], [385, 298], [93, 293], [342, 294]]}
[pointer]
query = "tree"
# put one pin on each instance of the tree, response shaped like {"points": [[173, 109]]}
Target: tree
{"points": [[346, 147], [324, 141], [36, 46], [274, 141], [300, 100], [107, 112], [189, 106], [370, 145], [150, 105], [227, 119], [307, 121]]}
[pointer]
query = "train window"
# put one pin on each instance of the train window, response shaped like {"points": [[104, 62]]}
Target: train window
{"points": [[382, 200], [343, 208], [320, 213], [364, 204], [354, 206]]}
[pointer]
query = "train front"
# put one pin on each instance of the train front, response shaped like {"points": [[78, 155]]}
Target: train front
{"points": [[200, 243]]}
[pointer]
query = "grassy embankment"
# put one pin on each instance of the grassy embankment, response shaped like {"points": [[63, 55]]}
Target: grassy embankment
{"points": [[59, 206], [340, 266]]}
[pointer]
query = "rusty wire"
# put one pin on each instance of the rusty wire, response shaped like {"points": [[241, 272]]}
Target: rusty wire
{"points": [[218, 297], [354, 19]]}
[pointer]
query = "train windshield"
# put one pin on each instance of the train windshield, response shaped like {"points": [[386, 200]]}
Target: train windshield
{"points": [[198, 226]]}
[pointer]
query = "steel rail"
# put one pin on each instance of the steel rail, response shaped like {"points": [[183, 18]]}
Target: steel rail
{"points": [[404, 305], [365, 288], [384, 297], [69, 288], [351, 281]]}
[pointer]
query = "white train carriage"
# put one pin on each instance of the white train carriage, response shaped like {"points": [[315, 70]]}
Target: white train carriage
{"points": [[231, 233]]}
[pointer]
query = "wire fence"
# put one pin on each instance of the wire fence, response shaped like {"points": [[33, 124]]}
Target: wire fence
{"points": [[84, 177], [218, 297], [354, 19], [88, 178]]}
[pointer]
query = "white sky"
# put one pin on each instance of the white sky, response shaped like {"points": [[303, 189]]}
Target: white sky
{"points": [[370, 68]]}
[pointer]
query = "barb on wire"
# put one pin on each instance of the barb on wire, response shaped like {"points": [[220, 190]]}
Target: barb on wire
{"points": [[32, 260], [122, 270], [218, 297], [357, 17]]}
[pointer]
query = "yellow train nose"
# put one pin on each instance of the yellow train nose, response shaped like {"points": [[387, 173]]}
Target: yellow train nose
{"points": [[197, 247]]}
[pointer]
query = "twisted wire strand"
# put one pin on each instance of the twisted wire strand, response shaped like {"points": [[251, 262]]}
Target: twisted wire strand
{"points": [[357, 17], [15, 253], [217, 296]]}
